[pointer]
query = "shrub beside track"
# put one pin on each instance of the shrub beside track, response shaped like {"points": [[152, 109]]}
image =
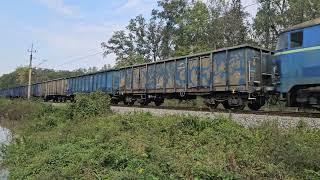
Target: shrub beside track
{"points": [[49, 144]]}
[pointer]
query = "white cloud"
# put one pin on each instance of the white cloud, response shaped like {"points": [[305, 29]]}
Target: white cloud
{"points": [[98, 28], [60, 7], [136, 7]]}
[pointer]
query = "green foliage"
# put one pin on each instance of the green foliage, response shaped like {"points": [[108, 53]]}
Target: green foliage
{"points": [[179, 27], [139, 43], [89, 105], [276, 15], [20, 76], [182, 27], [19, 109], [142, 146]]}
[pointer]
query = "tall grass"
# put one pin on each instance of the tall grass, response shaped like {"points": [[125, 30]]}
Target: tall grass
{"points": [[52, 145]]}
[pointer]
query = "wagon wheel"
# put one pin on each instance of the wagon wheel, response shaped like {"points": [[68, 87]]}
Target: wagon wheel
{"points": [[158, 103], [273, 100], [254, 106], [213, 106], [131, 103], [114, 102], [239, 107], [144, 103], [228, 107]]}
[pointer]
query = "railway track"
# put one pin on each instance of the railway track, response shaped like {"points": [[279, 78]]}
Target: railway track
{"points": [[247, 112]]}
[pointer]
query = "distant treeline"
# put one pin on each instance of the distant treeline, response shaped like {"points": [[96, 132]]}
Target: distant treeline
{"points": [[21, 74]]}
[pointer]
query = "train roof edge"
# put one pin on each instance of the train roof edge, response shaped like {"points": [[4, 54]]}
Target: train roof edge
{"points": [[303, 25], [180, 57]]}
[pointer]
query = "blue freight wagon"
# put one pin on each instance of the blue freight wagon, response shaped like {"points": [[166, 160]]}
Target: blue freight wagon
{"points": [[232, 76], [14, 92], [105, 81]]}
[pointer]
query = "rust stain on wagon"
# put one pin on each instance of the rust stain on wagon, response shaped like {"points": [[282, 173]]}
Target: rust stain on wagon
{"points": [[136, 73], [220, 74], [234, 70], [206, 67]]}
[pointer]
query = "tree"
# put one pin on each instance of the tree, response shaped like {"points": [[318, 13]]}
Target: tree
{"points": [[155, 38], [216, 25], [180, 27], [270, 19], [171, 13], [193, 30], [139, 43], [22, 75], [302, 10], [8, 80], [235, 25], [106, 67], [197, 26], [276, 15], [119, 44]]}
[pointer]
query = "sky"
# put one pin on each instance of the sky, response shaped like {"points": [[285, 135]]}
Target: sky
{"points": [[66, 33]]}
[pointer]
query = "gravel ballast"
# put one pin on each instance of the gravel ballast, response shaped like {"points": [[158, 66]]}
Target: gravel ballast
{"points": [[247, 120]]}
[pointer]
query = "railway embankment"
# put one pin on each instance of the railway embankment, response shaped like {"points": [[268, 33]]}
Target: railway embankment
{"points": [[243, 118], [87, 140]]}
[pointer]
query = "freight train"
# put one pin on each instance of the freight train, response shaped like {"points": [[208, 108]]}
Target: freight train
{"points": [[234, 77]]}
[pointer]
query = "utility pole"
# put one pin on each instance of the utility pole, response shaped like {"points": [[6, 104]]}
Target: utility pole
{"points": [[30, 70]]}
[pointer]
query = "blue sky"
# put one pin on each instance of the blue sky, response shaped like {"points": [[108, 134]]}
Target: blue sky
{"points": [[62, 30]]}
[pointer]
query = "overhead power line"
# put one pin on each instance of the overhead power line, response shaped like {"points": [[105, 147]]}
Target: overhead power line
{"points": [[88, 52], [73, 60]]}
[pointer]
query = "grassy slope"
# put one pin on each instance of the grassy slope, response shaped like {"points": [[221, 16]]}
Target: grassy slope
{"points": [[50, 145]]}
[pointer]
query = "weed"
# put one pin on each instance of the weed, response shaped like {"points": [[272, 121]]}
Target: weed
{"points": [[141, 146], [89, 105]]}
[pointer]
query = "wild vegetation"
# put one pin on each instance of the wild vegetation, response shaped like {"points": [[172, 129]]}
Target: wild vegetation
{"points": [[51, 142]]}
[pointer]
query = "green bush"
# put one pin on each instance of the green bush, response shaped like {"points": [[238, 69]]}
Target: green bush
{"points": [[20, 109], [142, 146], [89, 105]]}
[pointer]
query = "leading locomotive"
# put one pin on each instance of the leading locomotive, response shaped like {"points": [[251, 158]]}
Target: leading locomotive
{"points": [[297, 65]]}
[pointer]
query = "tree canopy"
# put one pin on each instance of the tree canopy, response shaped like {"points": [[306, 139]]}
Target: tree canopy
{"points": [[181, 27], [21, 75]]}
